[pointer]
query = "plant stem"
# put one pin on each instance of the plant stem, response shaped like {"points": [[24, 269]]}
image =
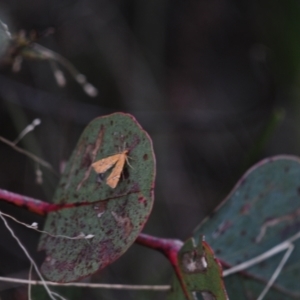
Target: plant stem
{"points": [[37, 206], [130, 287], [169, 247]]}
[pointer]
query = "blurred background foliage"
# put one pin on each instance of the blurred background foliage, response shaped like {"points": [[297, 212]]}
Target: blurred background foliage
{"points": [[214, 82]]}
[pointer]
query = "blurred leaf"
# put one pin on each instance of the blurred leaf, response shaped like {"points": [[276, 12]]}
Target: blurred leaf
{"points": [[4, 37], [115, 216], [261, 212]]}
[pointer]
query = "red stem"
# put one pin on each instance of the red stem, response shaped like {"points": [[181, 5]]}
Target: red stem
{"points": [[37, 206], [169, 247], [42, 208]]}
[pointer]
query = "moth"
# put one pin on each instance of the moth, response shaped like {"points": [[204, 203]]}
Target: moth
{"points": [[117, 161]]}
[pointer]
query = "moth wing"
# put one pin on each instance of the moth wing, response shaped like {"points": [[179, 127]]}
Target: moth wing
{"points": [[114, 177], [104, 164]]}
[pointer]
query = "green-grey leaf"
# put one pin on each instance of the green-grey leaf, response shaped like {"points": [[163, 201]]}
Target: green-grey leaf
{"points": [[115, 216], [261, 212]]}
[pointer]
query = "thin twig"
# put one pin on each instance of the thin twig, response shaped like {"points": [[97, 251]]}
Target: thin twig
{"points": [[29, 154], [58, 296], [28, 256], [257, 259], [80, 78], [265, 255], [29, 284], [34, 227], [277, 272], [285, 245], [158, 288]]}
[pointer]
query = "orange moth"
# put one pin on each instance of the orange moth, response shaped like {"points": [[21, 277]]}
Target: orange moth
{"points": [[116, 160]]}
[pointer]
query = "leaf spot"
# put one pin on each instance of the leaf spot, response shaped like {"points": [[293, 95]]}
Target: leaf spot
{"points": [[123, 222]]}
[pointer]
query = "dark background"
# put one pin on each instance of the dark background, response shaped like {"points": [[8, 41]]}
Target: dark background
{"points": [[214, 82]]}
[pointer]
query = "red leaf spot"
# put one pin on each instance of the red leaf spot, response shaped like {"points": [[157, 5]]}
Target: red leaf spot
{"points": [[142, 200]]}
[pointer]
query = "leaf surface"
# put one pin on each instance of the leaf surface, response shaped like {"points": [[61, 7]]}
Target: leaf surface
{"points": [[262, 211], [114, 216]]}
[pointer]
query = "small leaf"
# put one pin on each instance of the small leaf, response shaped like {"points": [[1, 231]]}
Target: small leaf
{"points": [[200, 272], [115, 216]]}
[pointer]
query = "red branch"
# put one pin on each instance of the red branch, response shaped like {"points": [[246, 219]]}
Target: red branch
{"points": [[169, 247], [42, 208], [37, 206]]}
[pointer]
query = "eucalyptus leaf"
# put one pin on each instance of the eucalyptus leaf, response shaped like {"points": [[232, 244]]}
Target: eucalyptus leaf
{"points": [[113, 216]]}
